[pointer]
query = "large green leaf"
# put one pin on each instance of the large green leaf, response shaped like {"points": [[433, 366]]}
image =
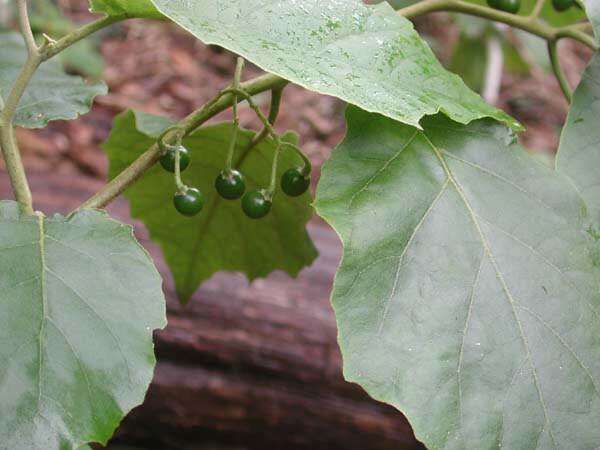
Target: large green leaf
{"points": [[467, 296], [579, 152], [126, 8], [51, 95], [367, 55], [221, 237], [79, 299]]}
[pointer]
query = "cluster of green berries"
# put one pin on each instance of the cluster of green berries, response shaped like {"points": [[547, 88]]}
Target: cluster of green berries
{"points": [[513, 6], [230, 184]]}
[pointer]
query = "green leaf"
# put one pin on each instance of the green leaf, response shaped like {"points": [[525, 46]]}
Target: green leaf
{"points": [[52, 94], [367, 55], [579, 153], [220, 238], [126, 8], [79, 300], [467, 296]]}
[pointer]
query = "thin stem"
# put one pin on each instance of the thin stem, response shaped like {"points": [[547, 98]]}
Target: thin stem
{"points": [[307, 169], [273, 183], [537, 9], [14, 167], [19, 86], [558, 72], [276, 96], [145, 161], [256, 108], [78, 34], [8, 143], [236, 120], [582, 26], [535, 26], [181, 188], [26, 27]]}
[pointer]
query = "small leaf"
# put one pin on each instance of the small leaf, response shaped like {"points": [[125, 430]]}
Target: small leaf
{"points": [[220, 238], [367, 55], [467, 296], [51, 95], [126, 8], [79, 299]]}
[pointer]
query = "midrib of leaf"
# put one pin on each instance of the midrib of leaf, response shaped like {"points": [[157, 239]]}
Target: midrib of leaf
{"points": [[44, 304], [487, 250]]}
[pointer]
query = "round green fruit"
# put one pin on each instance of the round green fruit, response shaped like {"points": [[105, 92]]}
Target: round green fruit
{"points": [[256, 204], [562, 5], [230, 184], [509, 6], [189, 203], [294, 183], [168, 159]]}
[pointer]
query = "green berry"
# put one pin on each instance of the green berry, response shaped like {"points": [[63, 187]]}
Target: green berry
{"points": [[189, 203], [230, 184], [509, 6], [256, 204], [168, 159], [562, 5], [294, 183]]}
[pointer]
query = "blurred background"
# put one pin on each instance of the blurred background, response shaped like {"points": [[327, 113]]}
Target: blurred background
{"points": [[258, 367]]}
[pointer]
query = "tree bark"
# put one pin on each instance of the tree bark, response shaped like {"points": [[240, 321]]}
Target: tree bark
{"points": [[246, 367]]}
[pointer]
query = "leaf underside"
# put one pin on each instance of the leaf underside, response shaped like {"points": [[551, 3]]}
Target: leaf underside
{"points": [[367, 55], [79, 300], [51, 95], [467, 296], [220, 238]]}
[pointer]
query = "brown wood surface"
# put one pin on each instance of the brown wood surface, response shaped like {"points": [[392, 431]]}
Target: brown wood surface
{"points": [[246, 367]]}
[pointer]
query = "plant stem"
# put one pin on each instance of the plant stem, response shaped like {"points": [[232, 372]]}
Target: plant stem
{"points": [[145, 161], [8, 143], [531, 25], [19, 86], [14, 167], [26, 27], [558, 72], [79, 34], [537, 9], [236, 120], [257, 110], [273, 183], [181, 188], [276, 95]]}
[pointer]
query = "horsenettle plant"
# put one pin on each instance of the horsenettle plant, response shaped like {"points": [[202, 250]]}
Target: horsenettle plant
{"points": [[469, 291]]}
